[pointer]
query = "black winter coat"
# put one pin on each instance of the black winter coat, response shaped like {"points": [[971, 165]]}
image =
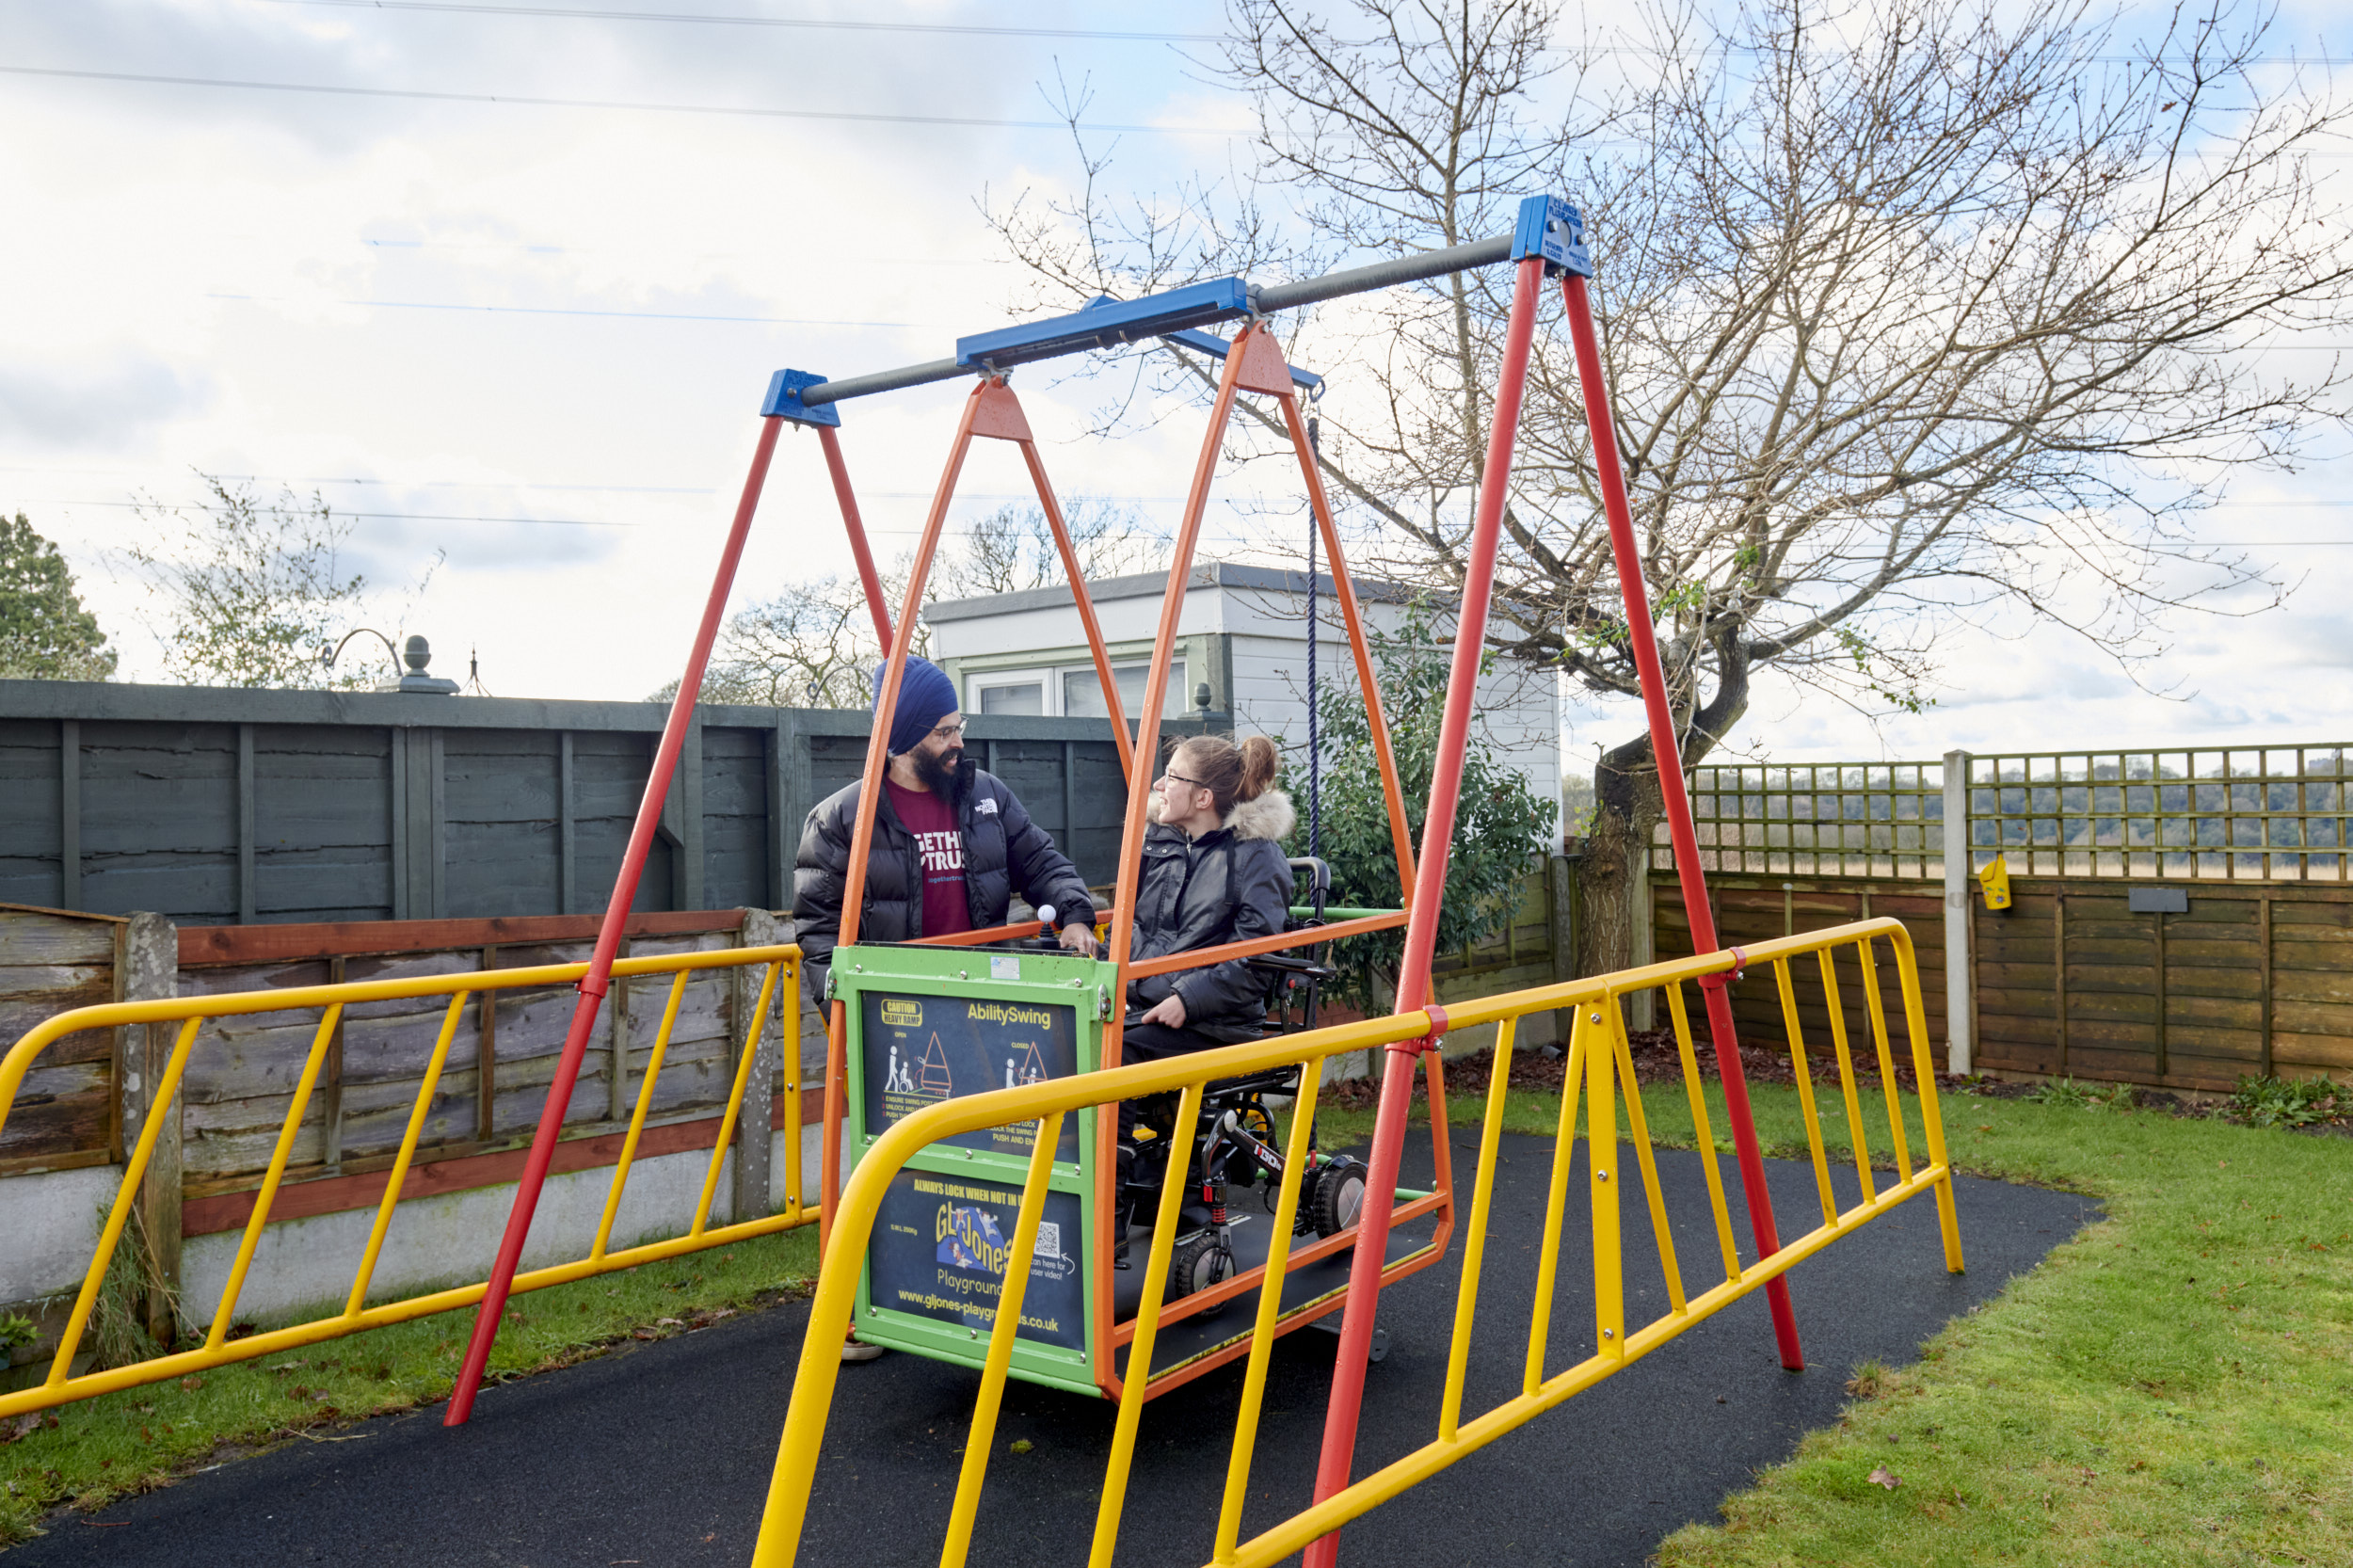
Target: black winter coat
{"points": [[1229, 884], [1004, 852]]}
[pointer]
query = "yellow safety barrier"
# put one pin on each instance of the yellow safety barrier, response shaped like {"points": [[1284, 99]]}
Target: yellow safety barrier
{"points": [[1599, 1066], [781, 965]]}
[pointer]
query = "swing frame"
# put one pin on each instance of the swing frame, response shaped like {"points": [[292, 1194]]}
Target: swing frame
{"points": [[1546, 243], [1253, 364]]}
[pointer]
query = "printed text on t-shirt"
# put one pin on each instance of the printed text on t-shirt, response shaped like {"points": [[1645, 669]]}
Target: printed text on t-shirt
{"points": [[942, 852]]}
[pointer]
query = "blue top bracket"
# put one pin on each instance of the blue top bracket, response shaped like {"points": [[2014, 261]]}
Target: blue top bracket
{"points": [[1550, 228], [784, 398], [1107, 325]]}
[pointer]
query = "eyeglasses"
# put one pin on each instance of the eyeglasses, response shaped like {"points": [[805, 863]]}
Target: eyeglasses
{"points": [[1175, 778], [947, 732]]}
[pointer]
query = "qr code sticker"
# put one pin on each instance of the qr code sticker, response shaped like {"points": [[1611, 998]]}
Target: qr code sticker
{"points": [[1049, 1239]]}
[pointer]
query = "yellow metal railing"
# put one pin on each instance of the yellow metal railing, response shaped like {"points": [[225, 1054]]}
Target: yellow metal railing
{"points": [[781, 967], [1599, 1068]]}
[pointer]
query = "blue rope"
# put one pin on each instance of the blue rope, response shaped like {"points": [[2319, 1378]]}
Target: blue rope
{"points": [[1315, 753]]}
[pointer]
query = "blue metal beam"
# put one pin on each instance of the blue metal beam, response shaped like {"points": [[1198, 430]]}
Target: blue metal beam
{"points": [[1545, 226], [1105, 324]]}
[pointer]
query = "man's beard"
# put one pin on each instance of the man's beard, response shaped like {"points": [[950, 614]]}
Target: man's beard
{"points": [[939, 772]]}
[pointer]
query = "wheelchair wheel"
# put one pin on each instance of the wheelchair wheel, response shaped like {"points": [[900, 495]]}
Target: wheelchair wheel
{"points": [[1339, 1196], [1199, 1264]]}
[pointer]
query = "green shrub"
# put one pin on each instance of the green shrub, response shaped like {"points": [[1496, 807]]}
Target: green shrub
{"points": [[1501, 827], [2289, 1101], [2073, 1094]]}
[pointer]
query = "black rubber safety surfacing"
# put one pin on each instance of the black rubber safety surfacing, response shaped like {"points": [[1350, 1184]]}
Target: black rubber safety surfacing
{"points": [[662, 1455]]}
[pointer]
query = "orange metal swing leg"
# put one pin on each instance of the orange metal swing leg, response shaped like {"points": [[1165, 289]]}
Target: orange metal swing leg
{"points": [[870, 787], [1392, 792]]}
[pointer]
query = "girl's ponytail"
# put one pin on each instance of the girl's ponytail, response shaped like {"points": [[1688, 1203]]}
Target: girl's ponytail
{"points": [[1230, 773]]}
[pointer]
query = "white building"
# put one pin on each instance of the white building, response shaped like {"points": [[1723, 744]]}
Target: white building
{"points": [[1242, 653]]}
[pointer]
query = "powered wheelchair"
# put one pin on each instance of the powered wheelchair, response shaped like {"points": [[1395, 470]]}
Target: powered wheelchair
{"points": [[1235, 1142]]}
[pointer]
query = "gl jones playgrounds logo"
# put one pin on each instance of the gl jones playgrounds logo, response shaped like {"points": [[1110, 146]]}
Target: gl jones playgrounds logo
{"points": [[968, 1238]]}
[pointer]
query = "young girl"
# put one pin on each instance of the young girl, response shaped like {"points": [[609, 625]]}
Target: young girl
{"points": [[1213, 873]]}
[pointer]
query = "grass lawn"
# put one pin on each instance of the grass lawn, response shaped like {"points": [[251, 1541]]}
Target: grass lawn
{"points": [[138, 1439], [2172, 1386]]}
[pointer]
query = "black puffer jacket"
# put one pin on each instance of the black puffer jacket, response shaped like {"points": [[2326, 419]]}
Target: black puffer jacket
{"points": [[1229, 884], [1004, 852]]}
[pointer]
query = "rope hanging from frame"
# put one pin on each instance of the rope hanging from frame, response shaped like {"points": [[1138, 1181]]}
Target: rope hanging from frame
{"points": [[1315, 751]]}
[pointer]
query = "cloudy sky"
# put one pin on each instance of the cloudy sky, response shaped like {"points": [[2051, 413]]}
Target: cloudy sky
{"points": [[506, 283]]}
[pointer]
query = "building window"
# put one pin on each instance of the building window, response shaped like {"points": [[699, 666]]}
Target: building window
{"points": [[1026, 697], [1073, 691], [1082, 691]]}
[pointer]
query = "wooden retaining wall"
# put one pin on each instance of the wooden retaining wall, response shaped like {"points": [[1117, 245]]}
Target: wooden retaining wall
{"points": [[242, 1073]]}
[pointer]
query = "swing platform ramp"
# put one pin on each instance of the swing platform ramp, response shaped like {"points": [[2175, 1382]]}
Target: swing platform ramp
{"points": [[1816, 977], [778, 967]]}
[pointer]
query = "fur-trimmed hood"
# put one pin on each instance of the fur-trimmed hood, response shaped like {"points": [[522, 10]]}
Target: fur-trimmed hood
{"points": [[1270, 816]]}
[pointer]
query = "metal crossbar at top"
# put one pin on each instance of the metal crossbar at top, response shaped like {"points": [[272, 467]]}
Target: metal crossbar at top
{"points": [[1546, 228]]}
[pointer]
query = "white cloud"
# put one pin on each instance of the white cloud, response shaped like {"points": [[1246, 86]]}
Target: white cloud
{"points": [[435, 313]]}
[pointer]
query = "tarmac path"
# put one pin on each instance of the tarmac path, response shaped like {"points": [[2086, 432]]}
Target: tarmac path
{"points": [[661, 1455]]}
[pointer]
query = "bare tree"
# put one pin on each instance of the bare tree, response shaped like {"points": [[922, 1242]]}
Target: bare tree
{"points": [[1917, 317], [809, 645], [251, 589], [812, 645], [1011, 549]]}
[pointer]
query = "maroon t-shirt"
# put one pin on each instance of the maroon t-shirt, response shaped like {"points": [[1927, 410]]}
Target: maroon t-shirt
{"points": [[939, 847]]}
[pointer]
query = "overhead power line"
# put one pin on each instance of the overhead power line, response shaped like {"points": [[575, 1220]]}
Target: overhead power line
{"points": [[755, 112], [589, 13], [721, 110], [582, 311], [366, 517], [962, 533], [733, 19]]}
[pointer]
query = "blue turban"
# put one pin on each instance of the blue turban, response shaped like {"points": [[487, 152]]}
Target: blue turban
{"points": [[926, 695]]}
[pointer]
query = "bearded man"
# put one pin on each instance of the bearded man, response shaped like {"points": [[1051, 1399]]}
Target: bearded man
{"points": [[952, 843]]}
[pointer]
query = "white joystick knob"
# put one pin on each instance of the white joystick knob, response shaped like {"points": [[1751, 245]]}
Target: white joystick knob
{"points": [[1046, 915]]}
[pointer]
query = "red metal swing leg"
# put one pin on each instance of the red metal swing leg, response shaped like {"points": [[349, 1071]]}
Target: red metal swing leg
{"points": [[1421, 931], [593, 984], [1669, 755]]}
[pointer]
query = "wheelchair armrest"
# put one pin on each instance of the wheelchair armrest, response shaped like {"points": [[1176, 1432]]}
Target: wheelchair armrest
{"points": [[1284, 963]]}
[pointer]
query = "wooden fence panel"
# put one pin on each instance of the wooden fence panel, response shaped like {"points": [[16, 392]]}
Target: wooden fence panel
{"points": [[1753, 910], [243, 1072], [2072, 982], [2251, 978], [51, 962]]}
